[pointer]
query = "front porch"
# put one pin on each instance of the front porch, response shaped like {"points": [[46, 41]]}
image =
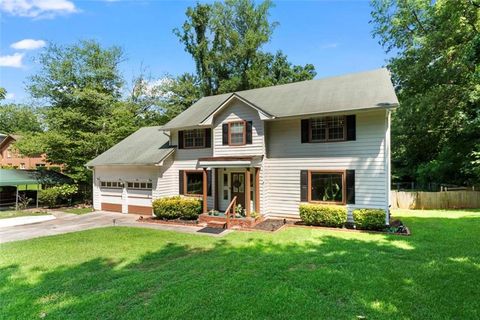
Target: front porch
{"points": [[236, 191]]}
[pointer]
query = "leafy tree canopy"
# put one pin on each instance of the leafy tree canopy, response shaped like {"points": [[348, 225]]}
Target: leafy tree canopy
{"points": [[85, 113], [225, 41], [436, 70], [15, 118]]}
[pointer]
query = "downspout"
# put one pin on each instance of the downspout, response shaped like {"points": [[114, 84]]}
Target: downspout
{"points": [[387, 157]]}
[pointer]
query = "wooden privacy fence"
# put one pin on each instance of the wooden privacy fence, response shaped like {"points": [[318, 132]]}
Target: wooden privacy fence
{"points": [[463, 199]]}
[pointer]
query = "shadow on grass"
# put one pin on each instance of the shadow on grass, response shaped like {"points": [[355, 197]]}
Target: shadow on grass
{"points": [[431, 275]]}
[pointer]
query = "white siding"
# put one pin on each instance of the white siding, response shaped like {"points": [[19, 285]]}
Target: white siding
{"points": [[236, 111], [286, 156], [182, 159]]}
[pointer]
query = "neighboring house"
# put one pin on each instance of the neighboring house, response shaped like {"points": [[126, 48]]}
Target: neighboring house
{"points": [[319, 141], [10, 157]]}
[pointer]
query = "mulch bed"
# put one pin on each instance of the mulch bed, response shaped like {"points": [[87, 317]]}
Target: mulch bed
{"points": [[174, 221], [402, 230], [270, 225]]}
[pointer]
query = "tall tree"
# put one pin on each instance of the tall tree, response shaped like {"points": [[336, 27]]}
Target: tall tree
{"points": [[80, 85], [225, 41], [436, 70]]}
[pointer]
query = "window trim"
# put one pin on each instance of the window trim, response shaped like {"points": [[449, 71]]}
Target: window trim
{"points": [[185, 172], [140, 187], [310, 140], [195, 147], [244, 122], [344, 186], [103, 184]]}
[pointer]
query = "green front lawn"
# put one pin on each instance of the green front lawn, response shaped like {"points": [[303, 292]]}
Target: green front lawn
{"points": [[133, 273], [20, 213]]}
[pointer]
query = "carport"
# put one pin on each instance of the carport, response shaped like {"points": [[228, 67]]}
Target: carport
{"points": [[12, 178]]}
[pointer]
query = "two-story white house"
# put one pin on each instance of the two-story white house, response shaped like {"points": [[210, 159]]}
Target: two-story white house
{"points": [[273, 148]]}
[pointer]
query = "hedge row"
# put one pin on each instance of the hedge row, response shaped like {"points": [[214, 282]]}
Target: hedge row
{"points": [[369, 219], [177, 207], [336, 216], [323, 215]]}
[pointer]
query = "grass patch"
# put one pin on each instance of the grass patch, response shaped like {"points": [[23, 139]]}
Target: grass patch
{"points": [[78, 210], [20, 213], [297, 273]]}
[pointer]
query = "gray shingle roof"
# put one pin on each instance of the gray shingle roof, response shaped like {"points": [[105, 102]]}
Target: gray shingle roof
{"points": [[357, 91], [146, 146]]}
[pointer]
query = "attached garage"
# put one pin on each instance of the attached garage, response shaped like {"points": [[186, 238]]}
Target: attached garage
{"points": [[129, 196], [126, 175]]}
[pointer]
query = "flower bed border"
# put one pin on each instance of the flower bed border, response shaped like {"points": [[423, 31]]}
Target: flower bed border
{"points": [[175, 222]]}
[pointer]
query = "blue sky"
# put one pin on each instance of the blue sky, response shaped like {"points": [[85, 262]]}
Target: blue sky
{"points": [[334, 36]]}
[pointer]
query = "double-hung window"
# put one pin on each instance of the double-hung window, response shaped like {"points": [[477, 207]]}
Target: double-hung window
{"points": [[326, 129], [194, 138], [237, 133]]}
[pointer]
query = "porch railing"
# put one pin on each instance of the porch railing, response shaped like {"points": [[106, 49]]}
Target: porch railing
{"points": [[230, 212]]}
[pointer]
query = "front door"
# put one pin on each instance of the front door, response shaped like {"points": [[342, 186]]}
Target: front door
{"points": [[238, 187]]}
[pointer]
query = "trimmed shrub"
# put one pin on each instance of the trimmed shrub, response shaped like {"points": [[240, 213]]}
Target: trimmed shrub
{"points": [[323, 215], [58, 194], [177, 207], [369, 219]]}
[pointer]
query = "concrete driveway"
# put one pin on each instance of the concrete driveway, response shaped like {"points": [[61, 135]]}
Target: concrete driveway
{"points": [[65, 223]]}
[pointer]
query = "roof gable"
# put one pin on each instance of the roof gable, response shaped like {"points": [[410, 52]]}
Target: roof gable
{"points": [[358, 91], [235, 97]]}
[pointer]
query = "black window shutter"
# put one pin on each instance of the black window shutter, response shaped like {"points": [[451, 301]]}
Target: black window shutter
{"points": [[180, 139], [249, 132], [350, 186], [351, 127], [209, 183], [303, 185], [208, 138], [180, 182], [305, 126], [225, 133]]}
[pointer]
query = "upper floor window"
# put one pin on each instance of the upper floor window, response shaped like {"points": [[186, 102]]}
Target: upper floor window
{"points": [[328, 129], [237, 133], [9, 153], [194, 138]]}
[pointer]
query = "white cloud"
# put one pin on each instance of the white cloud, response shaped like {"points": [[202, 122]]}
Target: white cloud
{"points": [[329, 45], [10, 96], [28, 44], [37, 8], [14, 60]]}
